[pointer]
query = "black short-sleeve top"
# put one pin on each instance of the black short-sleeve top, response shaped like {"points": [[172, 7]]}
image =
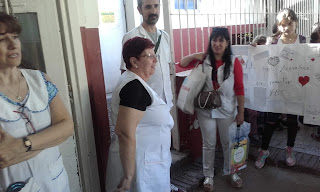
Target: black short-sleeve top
{"points": [[135, 95]]}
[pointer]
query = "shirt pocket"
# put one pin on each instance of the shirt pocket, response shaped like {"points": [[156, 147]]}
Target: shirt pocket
{"points": [[157, 167], [59, 175]]}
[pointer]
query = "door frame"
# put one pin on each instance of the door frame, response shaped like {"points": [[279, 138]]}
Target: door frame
{"points": [[78, 85]]}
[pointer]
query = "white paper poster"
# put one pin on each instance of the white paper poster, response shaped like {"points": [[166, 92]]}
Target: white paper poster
{"points": [[282, 79]]}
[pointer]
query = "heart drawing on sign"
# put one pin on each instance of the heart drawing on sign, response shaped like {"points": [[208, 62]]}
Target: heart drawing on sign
{"points": [[304, 80], [273, 60], [312, 59]]}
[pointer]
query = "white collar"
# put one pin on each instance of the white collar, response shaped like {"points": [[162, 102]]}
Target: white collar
{"points": [[37, 101]]}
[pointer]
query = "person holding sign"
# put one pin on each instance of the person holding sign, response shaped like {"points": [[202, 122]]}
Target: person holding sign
{"points": [[315, 38], [224, 73], [287, 23]]}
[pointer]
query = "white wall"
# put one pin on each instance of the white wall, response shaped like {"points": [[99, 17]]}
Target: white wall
{"points": [[111, 41], [88, 13]]}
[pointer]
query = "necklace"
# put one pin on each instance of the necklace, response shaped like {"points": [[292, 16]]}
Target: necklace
{"points": [[18, 95]]}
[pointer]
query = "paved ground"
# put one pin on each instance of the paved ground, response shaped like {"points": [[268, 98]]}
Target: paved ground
{"points": [[307, 151], [274, 177], [269, 179], [304, 143]]}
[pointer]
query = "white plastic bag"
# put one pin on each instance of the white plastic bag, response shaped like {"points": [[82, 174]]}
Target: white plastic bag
{"points": [[239, 147], [190, 88]]}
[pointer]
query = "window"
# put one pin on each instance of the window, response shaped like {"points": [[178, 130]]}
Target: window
{"points": [[186, 4]]}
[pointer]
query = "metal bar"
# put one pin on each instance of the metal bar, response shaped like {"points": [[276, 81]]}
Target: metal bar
{"points": [[214, 21], [188, 29], [208, 28], [264, 16], [195, 25], [303, 30], [236, 28], [309, 18], [6, 6], [230, 20], [225, 18], [240, 23], [202, 37], [181, 40], [254, 20], [202, 34], [250, 25]]}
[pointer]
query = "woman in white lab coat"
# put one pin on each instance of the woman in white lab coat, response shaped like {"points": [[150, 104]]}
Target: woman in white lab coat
{"points": [[33, 121], [139, 156]]}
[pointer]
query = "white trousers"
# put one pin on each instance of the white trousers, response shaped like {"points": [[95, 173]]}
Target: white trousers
{"points": [[208, 128]]}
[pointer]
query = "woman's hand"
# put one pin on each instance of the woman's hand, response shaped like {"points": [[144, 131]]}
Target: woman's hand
{"points": [[12, 150], [187, 59], [239, 118], [253, 44], [125, 184], [9, 148]]}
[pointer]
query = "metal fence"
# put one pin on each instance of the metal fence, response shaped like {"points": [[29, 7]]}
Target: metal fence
{"points": [[192, 20]]}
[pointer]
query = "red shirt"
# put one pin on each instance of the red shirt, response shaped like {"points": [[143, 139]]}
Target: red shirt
{"points": [[238, 77]]}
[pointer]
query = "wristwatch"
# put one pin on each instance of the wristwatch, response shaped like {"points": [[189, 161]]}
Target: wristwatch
{"points": [[27, 143]]}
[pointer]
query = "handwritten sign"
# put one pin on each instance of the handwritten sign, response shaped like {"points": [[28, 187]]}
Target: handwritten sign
{"points": [[282, 79]]}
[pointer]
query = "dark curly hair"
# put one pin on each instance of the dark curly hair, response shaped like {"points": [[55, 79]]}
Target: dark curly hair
{"points": [[226, 58]]}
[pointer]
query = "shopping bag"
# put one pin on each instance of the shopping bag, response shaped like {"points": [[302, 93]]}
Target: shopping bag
{"points": [[190, 88], [239, 148]]}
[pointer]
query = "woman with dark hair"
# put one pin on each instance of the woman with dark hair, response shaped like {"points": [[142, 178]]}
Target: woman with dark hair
{"points": [[139, 155], [224, 72], [33, 121]]}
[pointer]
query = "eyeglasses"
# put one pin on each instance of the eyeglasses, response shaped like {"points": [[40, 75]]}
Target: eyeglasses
{"points": [[150, 56], [29, 125]]}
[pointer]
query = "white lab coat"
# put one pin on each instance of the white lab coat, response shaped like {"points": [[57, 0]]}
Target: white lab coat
{"points": [[44, 172], [153, 140], [228, 97]]}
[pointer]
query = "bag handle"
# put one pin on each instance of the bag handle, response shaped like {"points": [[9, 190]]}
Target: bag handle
{"points": [[205, 103], [237, 137]]}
